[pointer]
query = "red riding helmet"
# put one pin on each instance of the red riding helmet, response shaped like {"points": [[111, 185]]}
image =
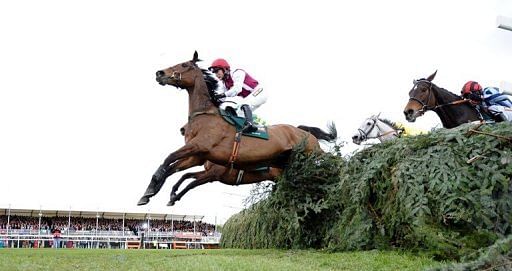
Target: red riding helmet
{"points": [[220, 63], [471, 87]]}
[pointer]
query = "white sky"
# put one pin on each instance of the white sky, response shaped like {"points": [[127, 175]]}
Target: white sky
{"points": [[84, 124]]}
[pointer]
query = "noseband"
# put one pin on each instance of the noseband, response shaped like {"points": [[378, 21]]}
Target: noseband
{"points": [[364, 135], [424, 104]]}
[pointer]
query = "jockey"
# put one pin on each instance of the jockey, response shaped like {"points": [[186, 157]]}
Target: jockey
{"points": [[239, 90], [488, 100]]}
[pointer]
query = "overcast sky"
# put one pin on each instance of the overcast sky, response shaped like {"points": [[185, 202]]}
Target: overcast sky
{"points": [[84, 124]]}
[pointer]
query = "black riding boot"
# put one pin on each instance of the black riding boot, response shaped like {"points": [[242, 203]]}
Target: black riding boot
{"points": [[500, 117], [249, 125]]}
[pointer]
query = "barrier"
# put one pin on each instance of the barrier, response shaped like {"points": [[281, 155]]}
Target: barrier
{"points": [[210, 245], [132, 244], [179, 245]]}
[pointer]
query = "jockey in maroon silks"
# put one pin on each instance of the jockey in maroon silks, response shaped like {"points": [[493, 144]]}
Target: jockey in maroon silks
{"points": [[238, 90]]}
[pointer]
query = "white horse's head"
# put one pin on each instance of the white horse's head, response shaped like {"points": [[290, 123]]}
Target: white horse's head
{"points": [[373, 127], [367, 130]]}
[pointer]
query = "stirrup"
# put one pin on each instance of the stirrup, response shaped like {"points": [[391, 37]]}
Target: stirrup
{"points": [[249, 128]]}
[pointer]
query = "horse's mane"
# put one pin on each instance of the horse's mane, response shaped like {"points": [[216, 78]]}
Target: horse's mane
{"points": [[212, 84], [392, 124]]}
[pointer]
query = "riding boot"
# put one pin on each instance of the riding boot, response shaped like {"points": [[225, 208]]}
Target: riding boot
{"points": [[500, 117], [249, 125]]}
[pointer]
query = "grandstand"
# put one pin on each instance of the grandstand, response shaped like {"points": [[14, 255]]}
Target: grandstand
{"points": [[25, 228]]}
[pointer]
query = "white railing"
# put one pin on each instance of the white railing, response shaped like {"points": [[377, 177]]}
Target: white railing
{"points": [[104, 239]]}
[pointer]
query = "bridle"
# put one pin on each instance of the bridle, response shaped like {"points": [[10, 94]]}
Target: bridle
{"points": [[364, 134], [424, 104]]}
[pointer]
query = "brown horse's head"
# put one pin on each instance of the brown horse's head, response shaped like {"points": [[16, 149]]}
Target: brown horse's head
{"points": [[421, 98], [182, 75]]}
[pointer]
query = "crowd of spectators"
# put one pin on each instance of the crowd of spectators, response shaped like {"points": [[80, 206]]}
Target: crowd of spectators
{"points": [[31, 223]]}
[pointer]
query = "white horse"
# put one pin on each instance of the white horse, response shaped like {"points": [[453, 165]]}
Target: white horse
{"points": [[374, 127]]}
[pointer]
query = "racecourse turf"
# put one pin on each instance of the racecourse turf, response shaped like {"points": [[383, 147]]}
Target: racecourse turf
{"points": [[220, 259]]}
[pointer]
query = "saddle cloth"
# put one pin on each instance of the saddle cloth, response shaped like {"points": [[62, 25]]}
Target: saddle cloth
{"points": [[239, 122]]}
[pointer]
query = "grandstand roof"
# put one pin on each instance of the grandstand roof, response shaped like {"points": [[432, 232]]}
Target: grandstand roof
{"points": [[100, 214]]}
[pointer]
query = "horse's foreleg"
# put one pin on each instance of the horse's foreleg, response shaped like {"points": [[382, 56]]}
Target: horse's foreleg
{"points": [[164, 171]]}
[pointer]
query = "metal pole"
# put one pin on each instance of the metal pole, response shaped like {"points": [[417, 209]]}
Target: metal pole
{"points": [[39, 228], [149, 225], [69, 219], [195, 232], [97, 218], [194, 226], [8, 219]]}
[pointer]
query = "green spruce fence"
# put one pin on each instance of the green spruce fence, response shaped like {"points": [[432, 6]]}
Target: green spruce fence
{"points": [[446, 193]]}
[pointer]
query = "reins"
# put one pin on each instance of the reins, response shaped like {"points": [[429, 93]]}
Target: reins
{"points": [[424, 105]]}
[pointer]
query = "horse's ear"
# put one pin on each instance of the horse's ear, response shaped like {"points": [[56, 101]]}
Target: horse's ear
{"points": [[431, 77], [195, 58], [414, 81], [378, 115]]}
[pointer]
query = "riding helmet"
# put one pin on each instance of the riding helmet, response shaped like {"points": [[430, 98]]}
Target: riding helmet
{"points": [[470, 87], [219, 63]]}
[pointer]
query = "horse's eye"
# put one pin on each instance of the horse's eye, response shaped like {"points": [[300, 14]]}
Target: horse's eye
{"points": [[423, 89], [184, 65], [368, 123]]}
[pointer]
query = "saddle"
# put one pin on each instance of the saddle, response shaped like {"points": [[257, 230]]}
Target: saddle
{"points": [[239, 123]]}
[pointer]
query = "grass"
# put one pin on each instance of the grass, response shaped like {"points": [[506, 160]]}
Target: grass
{"points": [[222, 259]]}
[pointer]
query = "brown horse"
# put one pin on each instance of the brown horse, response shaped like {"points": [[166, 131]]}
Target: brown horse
{"points": [[226, 175], [451, 108], [210, 138]]}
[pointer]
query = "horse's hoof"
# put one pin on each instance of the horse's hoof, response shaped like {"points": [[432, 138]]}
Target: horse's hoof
{"points": [[170, 203], [143, 201]]}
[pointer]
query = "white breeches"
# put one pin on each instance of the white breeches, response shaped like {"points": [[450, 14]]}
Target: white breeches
{"points": [[254, 101], [496, 109]]}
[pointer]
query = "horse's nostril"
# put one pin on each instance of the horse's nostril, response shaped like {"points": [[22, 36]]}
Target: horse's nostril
{"points": [[408, 112], [159, 73]]}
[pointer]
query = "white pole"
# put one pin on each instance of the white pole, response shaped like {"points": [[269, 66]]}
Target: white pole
{"points": [[123, 223], [69, 219], [97, 218], [39, 228], [195, 232], [147, 234], [8, 219]]}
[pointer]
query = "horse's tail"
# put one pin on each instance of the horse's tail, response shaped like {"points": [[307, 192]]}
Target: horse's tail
{"points": [[331, 136]]}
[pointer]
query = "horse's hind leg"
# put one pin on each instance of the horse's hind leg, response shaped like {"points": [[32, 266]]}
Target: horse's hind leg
{"points": [[182, 179], [202, 177]]}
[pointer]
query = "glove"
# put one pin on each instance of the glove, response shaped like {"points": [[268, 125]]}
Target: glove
{"points": [[219, 96]]}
